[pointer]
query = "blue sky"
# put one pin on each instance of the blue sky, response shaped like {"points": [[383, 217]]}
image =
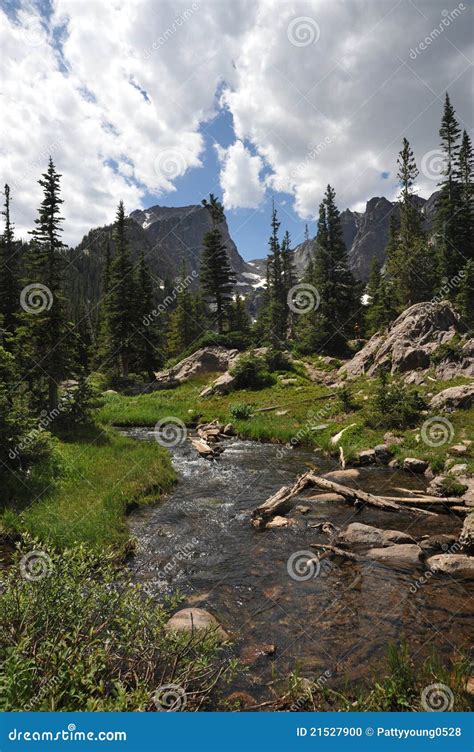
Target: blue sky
{"points": [[249, 228], [251, 100]]}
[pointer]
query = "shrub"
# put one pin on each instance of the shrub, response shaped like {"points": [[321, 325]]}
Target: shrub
{"points": [[251, 372], [277, 360], [451, 351], [346, 399], [395, 405], [77, 404], [241, 411], [83, 637]]}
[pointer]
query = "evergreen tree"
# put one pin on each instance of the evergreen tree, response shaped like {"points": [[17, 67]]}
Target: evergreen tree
{"points": [[44, 338], [381, 309], [147, 351], [121, 303], [9, 272], [464, 173], [186, 323], [449, 222], [239, 317], [277, 303], [411, 264], [328, 325], [216, 275], [103, 335], [465, 298]]}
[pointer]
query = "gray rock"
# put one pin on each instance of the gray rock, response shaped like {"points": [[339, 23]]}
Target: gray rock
{"points": [[454, 398], [401, 555], [358, 533], [438, 544], [342, 476], [383, 453], [466, 538], [414, 465], [205, 360], [221, 385], [366, 457], [456, 565], [459, 450]]}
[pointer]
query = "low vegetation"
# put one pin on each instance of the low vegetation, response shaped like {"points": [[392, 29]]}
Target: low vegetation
{"points": [[83, 637]]}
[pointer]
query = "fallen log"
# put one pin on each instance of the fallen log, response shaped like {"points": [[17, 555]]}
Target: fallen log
{"points": [[281, 500], [414, 500], [331, 395], [356, 495]]}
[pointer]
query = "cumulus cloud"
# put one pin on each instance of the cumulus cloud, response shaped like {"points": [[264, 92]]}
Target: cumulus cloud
{"points": [[240, 177], [318, 92]]}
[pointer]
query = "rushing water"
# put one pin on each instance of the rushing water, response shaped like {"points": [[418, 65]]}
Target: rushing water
{"points": [[199, 540]]}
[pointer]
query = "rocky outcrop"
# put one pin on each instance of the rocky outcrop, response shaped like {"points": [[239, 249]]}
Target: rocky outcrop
{"points": [[409, 343], [206, 360], [466, 538], [454, 398]]}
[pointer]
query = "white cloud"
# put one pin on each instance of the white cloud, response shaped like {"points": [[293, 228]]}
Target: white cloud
{"points": [[121, 108], [240, 177]]}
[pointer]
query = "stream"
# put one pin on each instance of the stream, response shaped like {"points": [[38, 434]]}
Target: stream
{"points": [[335, 626]]}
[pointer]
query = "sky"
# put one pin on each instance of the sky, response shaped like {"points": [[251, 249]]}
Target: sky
{"points": [[158, 102]]}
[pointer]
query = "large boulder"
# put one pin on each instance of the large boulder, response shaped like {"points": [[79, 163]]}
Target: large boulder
{"points": [[408, 344], [222, 385], [206, 360], [358, 533], [196, 620], [466, 538], [454, 398]]}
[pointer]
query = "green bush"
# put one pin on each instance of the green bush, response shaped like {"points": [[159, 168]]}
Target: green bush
{"points": [[450, 486], [277, 360], [241, 411], [77, 635], [395, 405], [451, 351], [251, 372]]}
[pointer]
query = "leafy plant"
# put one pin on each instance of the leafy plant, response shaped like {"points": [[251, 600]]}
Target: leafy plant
{"points": [[395, 405], [241, 411], [83, 637], [451, 351], [251, 372]]}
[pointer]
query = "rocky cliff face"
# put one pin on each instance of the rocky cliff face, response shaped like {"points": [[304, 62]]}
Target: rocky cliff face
{"points": [[169, 237], [366, 233]]}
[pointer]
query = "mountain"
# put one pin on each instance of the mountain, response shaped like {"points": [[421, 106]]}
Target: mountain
{"points": [[169, 237], [366, 233]]}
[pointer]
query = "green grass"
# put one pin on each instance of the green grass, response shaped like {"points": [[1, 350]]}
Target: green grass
{"points": [[101, 474], [306, 406]]}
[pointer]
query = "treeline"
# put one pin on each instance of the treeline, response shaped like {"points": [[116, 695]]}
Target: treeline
{"points": [[419, 267]]}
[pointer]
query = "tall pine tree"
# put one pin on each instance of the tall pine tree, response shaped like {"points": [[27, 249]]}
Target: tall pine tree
{"points": [[216, 275], [328, 325], [9, 273]]}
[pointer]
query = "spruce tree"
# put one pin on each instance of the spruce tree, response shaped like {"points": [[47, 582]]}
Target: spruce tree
{"points": [[277, 303], [121, 303], [328, 325], [381, 309], [9, 272], [411, 263], [449, 224], [186, 323], [464, 173], [239, 317], [147, 342], [465, 299], [216, 275], [44, 338]]}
